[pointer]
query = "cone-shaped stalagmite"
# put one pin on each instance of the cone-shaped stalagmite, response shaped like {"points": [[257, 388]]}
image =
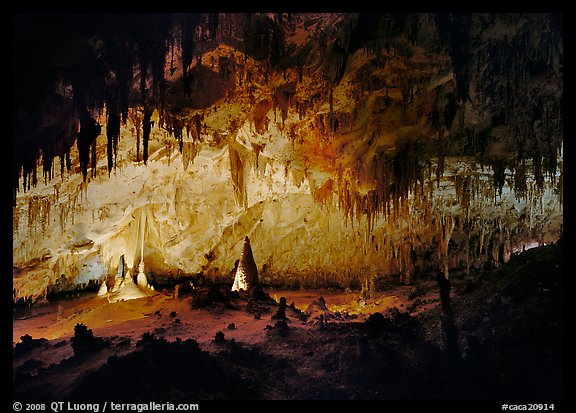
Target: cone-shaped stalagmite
{"points": [[247, 273], [103, 289]]}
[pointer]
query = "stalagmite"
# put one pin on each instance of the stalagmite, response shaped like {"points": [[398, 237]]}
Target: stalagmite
{"points": [[103, 291], [141, 280], [128, 277], [246, 277], [118, 285]]}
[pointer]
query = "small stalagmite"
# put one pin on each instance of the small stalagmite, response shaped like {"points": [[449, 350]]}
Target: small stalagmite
{"points": [[141, 279], [128, 277], [118, 285], [103, 289], [247, 273]]}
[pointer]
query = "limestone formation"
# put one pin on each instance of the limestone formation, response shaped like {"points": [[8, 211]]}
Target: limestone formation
{"points": [[246, 278], [141, 280], [281, 312], [124, 286], [103, 289], [119, 276], [128, 277], [118, 285], [353, 146]]}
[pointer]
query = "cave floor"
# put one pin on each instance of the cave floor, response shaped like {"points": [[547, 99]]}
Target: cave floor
{"points": [[53, 365], [131, 318], [389, 346]]}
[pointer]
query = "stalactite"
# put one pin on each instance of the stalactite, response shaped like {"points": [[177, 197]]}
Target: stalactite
{"points": [[462, 184], [112, 135], [259, 116], [177, 128], [499, 175], [146, 128], [38, 212], [68, 161], [237, 171], [94, 160], [45, 220], [440, 166], [197, 122], [136, 119], [323, 194], [257, 149], [47, 164], [61, 166], [283, 97], [520, 180], [168, 146], [15, 220], [63, 209], [189, 152], [89, 131], [34, 179]]}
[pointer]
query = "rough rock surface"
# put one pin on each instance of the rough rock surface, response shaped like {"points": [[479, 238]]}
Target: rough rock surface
{"points": [[348, 147]]}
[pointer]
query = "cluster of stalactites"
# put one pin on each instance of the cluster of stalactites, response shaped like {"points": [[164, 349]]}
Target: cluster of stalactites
{"points": [[417, 216], [101, 75], [126, 61], [181, 127], [40, 210], [394, 179]]}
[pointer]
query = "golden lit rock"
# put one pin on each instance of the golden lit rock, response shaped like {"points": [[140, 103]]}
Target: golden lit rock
{"points": [[377, 152], [406, 168]]}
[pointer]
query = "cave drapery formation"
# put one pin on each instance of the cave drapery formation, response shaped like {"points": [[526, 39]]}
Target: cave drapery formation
{"points": [[346, 146]]}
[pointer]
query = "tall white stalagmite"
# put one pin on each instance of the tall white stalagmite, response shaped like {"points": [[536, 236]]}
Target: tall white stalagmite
{"points": [[247, 272]]}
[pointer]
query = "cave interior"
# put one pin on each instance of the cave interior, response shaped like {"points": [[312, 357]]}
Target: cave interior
{"points": [[287, 206]]}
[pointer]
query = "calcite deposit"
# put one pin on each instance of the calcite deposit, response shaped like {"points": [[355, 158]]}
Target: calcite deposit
{"points": [[347, 147]]}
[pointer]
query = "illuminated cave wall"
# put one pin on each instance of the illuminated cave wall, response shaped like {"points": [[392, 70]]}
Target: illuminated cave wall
{"points": [[347, 147]]}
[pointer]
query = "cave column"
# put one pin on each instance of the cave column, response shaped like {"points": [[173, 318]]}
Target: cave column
{"points": [[141, 280], [448, 225]]}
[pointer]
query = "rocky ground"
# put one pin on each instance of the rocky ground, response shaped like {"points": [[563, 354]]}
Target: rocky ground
{"points": [[209, 343]]}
